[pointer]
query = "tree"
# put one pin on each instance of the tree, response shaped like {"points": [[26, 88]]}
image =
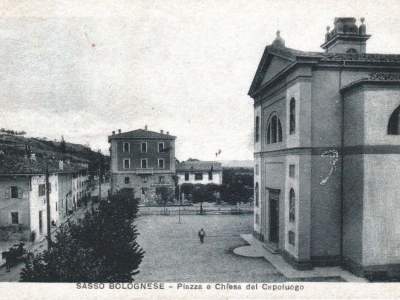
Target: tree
{"points": [[200, 195], [164, 195], [101, 247], [63, 146], [237, 185], [187, 190], [192, 159], [213, 192]]}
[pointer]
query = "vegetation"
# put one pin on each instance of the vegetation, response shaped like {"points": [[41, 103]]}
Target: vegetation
{"points": [[101, 247], [237, 185], [14, 144], [12, 132], [164, 195], [63, 146]]}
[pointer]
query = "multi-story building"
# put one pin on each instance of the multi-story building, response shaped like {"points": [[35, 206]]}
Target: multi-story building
{"points": [[142, 160], [327, 152], [23, 206], [199, 172]]}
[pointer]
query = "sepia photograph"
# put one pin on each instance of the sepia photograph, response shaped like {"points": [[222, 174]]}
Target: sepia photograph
{"points": [[248, 147]]}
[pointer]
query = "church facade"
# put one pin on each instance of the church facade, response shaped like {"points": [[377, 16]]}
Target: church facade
{"points": [[327, 153]]}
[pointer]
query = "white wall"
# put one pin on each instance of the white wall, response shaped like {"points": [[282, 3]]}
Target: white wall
{"points": [[381, 227], [216, 179], [257, 179], [37, 203], [379, 105], [292, 183]]}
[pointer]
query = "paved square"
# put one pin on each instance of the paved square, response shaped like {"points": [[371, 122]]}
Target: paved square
{"points": [[174, 253]]}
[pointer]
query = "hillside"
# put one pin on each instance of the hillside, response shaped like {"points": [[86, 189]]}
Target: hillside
{"points": [[17, 145]]}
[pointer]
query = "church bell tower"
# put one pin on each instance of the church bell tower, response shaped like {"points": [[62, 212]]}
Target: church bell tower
{"points": [[346, 37]]}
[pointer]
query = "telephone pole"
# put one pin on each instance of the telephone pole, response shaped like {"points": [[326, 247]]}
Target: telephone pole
{"points": [[48, 208]]}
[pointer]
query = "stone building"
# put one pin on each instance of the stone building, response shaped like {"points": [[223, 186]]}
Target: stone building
{"points": [[327, 153], [144, 161], [23, 207]]}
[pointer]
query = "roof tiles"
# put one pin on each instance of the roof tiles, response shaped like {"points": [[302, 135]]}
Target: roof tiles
{"points": [[188, 166], [141, 134]]}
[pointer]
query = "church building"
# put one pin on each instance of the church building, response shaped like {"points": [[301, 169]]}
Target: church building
{"points": [[327, 153]]}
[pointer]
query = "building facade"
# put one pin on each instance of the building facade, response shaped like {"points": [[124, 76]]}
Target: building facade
{"points": [[199, 172], [327, 152], [143, 161], [23, 206]]}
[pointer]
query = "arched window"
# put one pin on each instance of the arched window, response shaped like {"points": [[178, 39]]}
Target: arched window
{"points": [[257, 194], [274, 130], [292, 206], [126, 147], [394, 122], [351, 51], [257, 130], [292, 116]]}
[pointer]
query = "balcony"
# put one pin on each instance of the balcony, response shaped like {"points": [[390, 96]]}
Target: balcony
{"points": [[147, 171]]}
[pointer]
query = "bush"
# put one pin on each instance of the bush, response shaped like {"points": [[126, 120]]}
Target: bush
{"points": [[237, 185], [164, 195], [187, 189], [101, 247]]}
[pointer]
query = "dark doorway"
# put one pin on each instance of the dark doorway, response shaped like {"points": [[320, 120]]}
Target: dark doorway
{"points": [[40, 222], [274, 215]]}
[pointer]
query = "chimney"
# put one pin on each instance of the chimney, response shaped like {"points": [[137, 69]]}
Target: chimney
{"points": [[113, 133], [168, 132], [60, 165], [346, 37], [161, 131], [145, 127], [119, 131]]}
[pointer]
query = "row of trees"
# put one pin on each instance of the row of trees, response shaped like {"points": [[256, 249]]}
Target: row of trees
{"points": [[12, 132], [101, 247], [237, 186], [231, 192]]}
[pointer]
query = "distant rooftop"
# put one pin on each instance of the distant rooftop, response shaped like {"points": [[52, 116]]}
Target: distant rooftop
{"points": [[141, 134], [187, 166]]}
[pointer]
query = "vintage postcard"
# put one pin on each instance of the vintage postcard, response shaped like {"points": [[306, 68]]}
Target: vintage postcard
{"points": [[199, 149]]}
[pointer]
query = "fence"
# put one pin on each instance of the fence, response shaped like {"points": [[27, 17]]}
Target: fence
{"points": [[190, 210]]}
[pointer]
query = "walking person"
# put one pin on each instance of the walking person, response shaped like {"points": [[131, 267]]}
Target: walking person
{"points": [[202, 234]]}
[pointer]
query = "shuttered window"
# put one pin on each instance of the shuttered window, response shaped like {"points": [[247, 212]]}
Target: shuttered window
{"points": [[14, 192]]}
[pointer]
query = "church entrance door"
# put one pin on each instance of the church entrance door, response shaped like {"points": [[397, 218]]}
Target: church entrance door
{"points": [[274, 215]]}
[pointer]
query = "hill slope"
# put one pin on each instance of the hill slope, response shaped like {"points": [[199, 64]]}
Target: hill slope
{"points": [[17, 145]]}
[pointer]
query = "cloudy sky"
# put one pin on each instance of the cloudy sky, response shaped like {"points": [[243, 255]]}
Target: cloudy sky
{"points": [[82, 69]]}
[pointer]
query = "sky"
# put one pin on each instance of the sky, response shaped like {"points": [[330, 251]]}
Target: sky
{"points": [[81, 69]]}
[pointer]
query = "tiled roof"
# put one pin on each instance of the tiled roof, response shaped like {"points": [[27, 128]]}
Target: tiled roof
{"points": [[188, 166], [141, 134], [21, 165]]}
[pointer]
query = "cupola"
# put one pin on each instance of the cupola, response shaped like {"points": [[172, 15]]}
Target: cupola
{"points": [[346, 37]]}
